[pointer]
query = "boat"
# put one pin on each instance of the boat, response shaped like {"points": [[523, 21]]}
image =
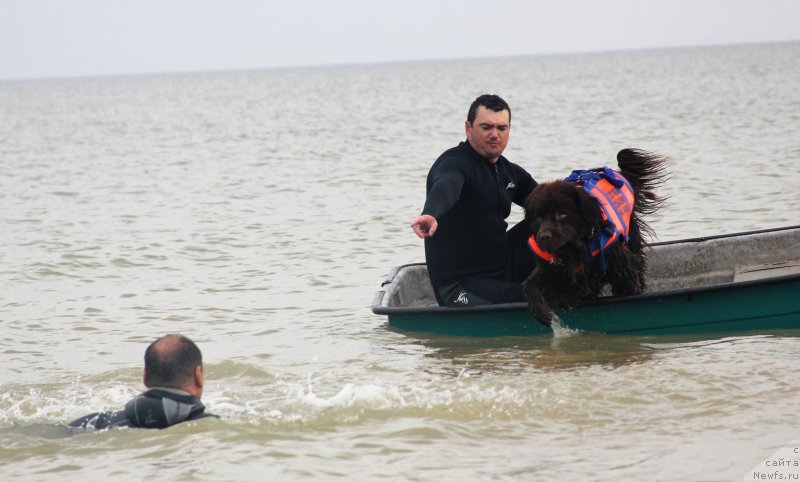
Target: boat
{"points": [[741, 282]]}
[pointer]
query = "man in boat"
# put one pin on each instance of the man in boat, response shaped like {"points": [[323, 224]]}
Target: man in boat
{"points": [[471, 258], [173, 372]]}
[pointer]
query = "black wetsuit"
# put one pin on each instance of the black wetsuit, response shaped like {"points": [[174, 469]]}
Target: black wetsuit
{"points": [[155, 408], [471, 258]]}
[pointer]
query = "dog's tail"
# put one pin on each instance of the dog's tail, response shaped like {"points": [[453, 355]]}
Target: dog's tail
{"points": [[646, 171]]}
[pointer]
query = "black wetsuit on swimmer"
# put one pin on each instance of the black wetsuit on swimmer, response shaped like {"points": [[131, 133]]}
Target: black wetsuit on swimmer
{"points": [[155, 408], [471, 258]]}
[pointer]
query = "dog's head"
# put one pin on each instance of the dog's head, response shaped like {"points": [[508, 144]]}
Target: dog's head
{"points": [[562, 216]]}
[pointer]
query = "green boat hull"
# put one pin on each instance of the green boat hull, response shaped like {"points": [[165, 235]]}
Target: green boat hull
{"points": [[739, 307], [719, 284]]}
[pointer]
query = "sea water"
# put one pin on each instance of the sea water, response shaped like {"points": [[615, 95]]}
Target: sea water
{"points": [[258, 211]]}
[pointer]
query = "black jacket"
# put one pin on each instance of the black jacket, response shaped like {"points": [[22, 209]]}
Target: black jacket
{"points": [[155, 408], [470, 198]]}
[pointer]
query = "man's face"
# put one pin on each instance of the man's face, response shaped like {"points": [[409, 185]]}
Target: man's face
{"points": [[488, 133]]}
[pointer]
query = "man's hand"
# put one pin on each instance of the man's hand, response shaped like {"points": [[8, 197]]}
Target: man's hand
{"points": [[425, 225]]}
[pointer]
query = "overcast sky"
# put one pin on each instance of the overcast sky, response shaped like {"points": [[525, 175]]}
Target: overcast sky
{"points": [[57, 38]]}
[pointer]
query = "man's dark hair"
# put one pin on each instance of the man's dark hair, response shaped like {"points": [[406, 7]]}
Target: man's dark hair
{"points": [[491, 102], [170, 361]]}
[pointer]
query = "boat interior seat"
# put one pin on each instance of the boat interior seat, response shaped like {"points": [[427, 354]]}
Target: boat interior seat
{"points": [[723, 260]]}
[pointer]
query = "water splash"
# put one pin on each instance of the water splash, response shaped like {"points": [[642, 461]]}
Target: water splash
{"points": [[560, 330]]}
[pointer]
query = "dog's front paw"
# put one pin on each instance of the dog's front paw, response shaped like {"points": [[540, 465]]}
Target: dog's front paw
{"points": [[543, 316], [537, 306]]}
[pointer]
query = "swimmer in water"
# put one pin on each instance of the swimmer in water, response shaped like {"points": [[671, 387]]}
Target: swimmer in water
{"points": [[173, 373]]}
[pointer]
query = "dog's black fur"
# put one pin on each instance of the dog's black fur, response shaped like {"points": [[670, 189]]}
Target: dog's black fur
{"points": [[564, 218]]}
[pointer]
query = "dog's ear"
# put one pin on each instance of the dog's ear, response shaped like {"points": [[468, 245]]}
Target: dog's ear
{"points": [[588, 207], [529, 206]]}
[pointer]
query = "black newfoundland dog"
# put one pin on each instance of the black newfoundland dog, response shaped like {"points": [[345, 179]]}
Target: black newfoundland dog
{"points": [[588, 231]]}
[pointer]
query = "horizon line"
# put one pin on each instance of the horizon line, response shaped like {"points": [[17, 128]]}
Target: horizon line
{"points": [[148, 73]]}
